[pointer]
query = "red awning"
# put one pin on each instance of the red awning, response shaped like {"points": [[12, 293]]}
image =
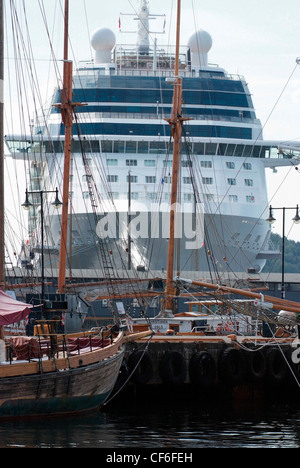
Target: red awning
{"points": [[11, 310]]}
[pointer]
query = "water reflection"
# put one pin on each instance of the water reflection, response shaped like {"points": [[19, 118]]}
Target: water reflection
{"points": [[162, 426]]}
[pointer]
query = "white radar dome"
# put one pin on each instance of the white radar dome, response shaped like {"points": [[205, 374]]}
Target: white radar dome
{"points": [[200, 44], [103, 41]]}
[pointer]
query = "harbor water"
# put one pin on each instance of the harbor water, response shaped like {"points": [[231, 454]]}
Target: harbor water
{"points": [[174, 427]]}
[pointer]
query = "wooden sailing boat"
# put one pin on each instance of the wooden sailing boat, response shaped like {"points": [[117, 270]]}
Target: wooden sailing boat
{"points": [[54, 374]]}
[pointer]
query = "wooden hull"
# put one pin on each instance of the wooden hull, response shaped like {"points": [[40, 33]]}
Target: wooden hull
{"points": [[82, 387]]}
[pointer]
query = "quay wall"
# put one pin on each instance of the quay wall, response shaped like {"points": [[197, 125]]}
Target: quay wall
{"points": [[209, 365]]}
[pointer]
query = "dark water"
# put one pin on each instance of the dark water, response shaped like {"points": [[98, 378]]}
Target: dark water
{"points": [[173, 426]]}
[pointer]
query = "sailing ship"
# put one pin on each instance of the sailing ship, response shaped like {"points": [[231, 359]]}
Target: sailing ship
{"points": [[122, 159], [231, 316], [54, 374]]}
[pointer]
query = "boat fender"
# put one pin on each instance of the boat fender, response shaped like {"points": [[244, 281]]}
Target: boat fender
{"points": [[202, 370], [256, 365], [173, 368], [140, 363], [231, 367], [277, 366]]}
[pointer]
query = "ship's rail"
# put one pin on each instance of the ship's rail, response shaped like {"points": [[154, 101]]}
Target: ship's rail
{"points": [[93, 71], [159, 116]]}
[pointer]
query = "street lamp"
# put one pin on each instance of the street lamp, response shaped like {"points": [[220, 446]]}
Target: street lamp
{"points": [[27, 205], [271, 220]]}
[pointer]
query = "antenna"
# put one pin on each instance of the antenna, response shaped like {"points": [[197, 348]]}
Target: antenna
{"points": [[143, 32]]}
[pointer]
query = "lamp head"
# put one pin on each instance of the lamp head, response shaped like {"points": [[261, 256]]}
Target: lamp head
{"points": [[57, 203], [26, 205], [271, 218]]}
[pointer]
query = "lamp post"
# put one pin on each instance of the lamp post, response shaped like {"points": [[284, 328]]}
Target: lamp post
{"points": [[27, 205], [271, 220]]}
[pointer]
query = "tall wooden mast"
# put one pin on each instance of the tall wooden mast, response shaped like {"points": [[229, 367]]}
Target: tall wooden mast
{"points": [[2, 231], [176, 128], [66, 108]]}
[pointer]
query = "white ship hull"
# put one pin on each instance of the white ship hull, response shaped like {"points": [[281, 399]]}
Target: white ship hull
{"points": [[224, 250]]}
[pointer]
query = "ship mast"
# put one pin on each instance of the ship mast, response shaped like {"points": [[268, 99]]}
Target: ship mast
{"points": [[176, 128], [67, 108]]}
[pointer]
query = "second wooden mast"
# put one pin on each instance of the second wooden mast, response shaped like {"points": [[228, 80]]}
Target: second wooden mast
{"points": [[176, 129], [67, 111]]}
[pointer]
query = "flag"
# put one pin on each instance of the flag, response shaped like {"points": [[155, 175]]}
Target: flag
{"points": [[119, 23]]}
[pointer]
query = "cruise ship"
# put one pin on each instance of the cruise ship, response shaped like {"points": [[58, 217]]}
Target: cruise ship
{"points": [[122, 157]]}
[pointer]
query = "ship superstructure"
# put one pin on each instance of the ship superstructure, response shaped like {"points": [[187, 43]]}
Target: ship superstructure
{"points": [[122, 158]]}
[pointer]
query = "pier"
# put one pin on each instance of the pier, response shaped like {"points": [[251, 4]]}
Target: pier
{"points": [[220, 366]]}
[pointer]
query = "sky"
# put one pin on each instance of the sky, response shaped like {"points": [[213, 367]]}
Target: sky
{"points": [[259, 40]]}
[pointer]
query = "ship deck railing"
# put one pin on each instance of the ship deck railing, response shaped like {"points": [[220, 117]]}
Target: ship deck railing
{"points": [[53, 346], [159, 116]]}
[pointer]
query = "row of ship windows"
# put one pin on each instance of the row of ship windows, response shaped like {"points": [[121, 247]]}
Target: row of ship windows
{"points": [[148, 179], [187, 197], [168, 163], [149, 147], [98, 95], [167, 179], [208, 81]]}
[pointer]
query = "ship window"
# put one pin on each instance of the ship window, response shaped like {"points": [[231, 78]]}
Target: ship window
{"points": [[112, 178], [199, 148], [119, 146], [249, 182], [233, 198], [151, 195], [222, 149], [187, 180], [131, 162], [86, 178], [211, 148], [158, 147], [230, 165], [206, 164], [250, 199], [248, 151], [150, 179], [131, 146], [187, 163], [231, 181], [239, 150], [134, 195], [230, 150], [247, 166], [207, 180], [143, 147], [258, 152], [106, 146], [133, 179], [209, 197], [188, 197], [112, 162], [150, 162]]}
